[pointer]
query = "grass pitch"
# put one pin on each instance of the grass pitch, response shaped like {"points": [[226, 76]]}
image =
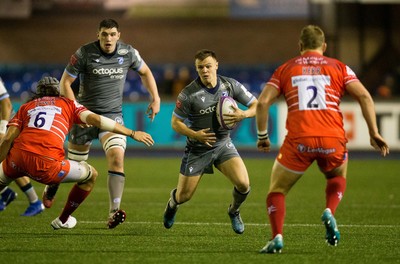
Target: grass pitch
{"points": [[368, 219]]}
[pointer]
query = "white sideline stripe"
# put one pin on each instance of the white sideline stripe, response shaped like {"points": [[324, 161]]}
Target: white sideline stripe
{"points": [[247, 224]]}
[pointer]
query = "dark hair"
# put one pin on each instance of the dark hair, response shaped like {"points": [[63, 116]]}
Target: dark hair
{"points": [[47, 86], [108, 23], [312, 37], [204, 53]]}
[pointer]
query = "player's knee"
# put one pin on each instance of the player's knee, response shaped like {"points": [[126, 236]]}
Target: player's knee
{"points": [[279, 189], [78, 155], [243, 187], [4, 180], [115, 159], [88, 176], [115, 141]]}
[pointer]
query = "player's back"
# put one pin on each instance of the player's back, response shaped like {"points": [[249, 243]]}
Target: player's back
{"points": [[44, 124], [313, 85]]}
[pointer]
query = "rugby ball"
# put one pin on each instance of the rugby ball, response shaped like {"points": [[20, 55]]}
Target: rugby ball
{"points": [[224, 106]]}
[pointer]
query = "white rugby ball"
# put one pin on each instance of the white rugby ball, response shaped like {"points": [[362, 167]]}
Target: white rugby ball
{"points": [[224, 106]]}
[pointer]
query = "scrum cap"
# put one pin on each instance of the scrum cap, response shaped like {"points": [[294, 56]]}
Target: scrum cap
{"points": [[48, 86]]}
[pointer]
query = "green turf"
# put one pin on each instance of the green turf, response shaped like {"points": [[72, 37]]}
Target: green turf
{"points": [[368, 219]]}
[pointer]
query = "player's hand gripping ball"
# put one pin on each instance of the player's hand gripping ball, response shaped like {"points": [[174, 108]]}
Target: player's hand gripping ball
{"points": [[224, 106]]}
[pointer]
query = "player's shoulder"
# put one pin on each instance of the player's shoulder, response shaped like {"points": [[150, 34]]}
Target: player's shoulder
{"points": [[192, 87], [124, 48], [90, 47], [228, 80], [66, 101]]}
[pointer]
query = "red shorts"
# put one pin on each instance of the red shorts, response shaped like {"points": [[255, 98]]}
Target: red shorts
{"points": [[297, 154], [39, 168]]}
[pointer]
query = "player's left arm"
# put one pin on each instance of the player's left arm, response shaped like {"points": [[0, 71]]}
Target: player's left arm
{"points": [[150, 84], [5, 145]]}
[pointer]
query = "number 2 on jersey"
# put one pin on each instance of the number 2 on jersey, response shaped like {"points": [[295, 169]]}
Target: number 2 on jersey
{"points": [[311, 91]]}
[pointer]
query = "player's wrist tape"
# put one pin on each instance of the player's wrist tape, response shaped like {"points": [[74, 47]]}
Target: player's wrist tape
{"points": [[133, 134], [3, 126], [262, 135], [107, 123]]}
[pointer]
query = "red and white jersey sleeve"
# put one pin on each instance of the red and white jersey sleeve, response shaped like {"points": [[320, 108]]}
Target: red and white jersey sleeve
{"points": [[44, 124], [313, 86]]}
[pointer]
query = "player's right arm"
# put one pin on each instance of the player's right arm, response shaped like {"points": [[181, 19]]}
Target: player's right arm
{"points": [[202, 135], [65, 86], [267, 97]]}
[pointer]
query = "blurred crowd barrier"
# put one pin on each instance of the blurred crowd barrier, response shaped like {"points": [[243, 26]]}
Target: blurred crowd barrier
{"points": [[21, 80]]}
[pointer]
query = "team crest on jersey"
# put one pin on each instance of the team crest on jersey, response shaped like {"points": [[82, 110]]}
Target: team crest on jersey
{"points": [[203, 99], [225, 93], [230, 145], [122, 51], [118, 119], [120, 60], [182, 97]]}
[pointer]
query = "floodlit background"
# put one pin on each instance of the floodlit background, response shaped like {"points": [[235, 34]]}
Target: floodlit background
{"points": [[250, 37]]}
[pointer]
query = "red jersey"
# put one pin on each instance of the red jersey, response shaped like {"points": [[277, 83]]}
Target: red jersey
{"points": [[313, 86], [44, 124]]}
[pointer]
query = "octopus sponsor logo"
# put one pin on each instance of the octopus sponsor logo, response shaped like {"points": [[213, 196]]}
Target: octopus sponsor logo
{"points": [[208, 110], [112, 71]]}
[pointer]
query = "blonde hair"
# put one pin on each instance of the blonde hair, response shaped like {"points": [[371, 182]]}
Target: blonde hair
{"points": [[311, 37]]}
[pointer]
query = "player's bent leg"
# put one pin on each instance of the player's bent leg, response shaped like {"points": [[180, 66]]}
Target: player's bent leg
{"points": [[75, 152], [85, 176]]}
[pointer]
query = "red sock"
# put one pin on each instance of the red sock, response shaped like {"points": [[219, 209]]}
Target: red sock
{"points": [[276, 212], [335, 188], [75, 198]]}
